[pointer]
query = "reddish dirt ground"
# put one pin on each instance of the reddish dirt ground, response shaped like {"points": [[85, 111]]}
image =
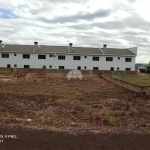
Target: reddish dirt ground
{"points": [[72, 114], [48, 140]]}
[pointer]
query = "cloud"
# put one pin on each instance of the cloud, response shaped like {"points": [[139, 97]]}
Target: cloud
{"points": [[76, 18], [119, 24]]}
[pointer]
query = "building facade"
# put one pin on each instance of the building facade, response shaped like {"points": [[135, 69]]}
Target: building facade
{"points": [[66, 57]]}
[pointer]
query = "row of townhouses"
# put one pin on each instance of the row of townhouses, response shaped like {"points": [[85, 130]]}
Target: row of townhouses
{"points": [[67, 57]]}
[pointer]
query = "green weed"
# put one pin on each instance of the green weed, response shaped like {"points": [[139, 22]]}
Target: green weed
{"points": [[113, 121]]}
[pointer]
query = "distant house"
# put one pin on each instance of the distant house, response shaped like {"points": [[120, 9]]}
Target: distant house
{"points": [[67, 57]]}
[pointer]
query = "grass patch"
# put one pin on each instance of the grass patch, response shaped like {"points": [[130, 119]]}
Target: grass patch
{"points": [[113, 121], [4, 73], [143, 79]]}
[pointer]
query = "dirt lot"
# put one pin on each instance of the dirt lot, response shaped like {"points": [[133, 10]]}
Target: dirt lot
{"points": [[53, 103], [28, 139]]}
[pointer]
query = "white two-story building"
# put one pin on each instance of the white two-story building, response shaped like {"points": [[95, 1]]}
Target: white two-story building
{"points": [[66, 57]]}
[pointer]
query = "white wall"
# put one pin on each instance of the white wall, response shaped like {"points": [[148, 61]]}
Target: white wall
{"points": [[69, 63]]}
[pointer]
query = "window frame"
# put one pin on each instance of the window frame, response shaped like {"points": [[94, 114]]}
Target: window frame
{"points": [[109, 58], [61, 67], [41, 56], [95, 68], [95, 58], [4, 55], [128, 69], [26, 66], [26, 56], [76, 57], [61, 57], [128, 59]]}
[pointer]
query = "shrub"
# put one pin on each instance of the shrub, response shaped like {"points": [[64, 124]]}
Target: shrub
{"points": [[78, 94], [113, 121]]}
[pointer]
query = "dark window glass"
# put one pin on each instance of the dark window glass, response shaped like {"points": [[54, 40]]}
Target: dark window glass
{"points": [[61, 57], [79, 67], [50, 55], [15, 54], [95, 68], [109, 58], [127, 59], [61, 67], [118, 57], [50, 66], [85, 67], [44, 67], [76, 57], [5, 55], [95, 58], [118, 68], [128, 69], [85, 56], [8, 66], [15, 65], [112, 68], [26, 56], [41, 56], [26, 66]]}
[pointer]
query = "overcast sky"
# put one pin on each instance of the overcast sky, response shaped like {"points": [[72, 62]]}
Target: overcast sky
{"points": [[92, 23]]}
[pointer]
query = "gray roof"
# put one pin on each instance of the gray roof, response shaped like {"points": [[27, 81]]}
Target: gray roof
{"points": [[63, 49], [86, 50], [116, 51], [30, 48]]}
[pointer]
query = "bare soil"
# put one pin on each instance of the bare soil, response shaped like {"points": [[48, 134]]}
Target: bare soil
{"points": [[31, 139], [59, 108]]}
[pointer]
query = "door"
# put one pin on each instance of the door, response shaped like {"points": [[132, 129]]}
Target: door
{"points": [[8, 66]]}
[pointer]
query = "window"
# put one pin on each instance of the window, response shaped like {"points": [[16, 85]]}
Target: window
{"points": [[95, 58], [41, 56], [128, 69], [95, 68], [85, 67], [112, 68], [76, 58], [127, 59], [44, 67], [50, 55], [5, 55], [61, 57], [8, 66], [118, 57], [85, 56], [15, 54], [118, 68], [61, 67], [109, 58], [26, 66], [79, 67], [50, 66], [15, 65], [26, 56]]}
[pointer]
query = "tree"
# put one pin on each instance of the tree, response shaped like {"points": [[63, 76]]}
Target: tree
{"points": [[148, 69]]}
